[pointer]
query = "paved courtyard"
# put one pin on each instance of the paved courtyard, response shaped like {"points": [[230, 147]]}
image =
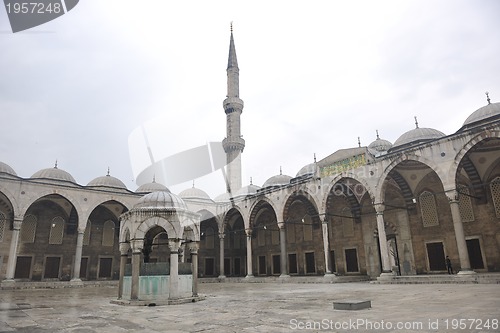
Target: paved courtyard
{"points": [[260, 307]]}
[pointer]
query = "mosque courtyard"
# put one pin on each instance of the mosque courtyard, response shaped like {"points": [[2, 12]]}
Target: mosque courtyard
{"points": [[260, 307]]}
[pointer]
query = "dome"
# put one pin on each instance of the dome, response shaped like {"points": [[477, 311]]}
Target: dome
{"points": [[224, 197], [151, 187], [107, 181], [247, 190], [54, 174], [278, 180], [194, 193], [380, 145], [307, 170], [487, 111], [418, 135], [5, 168], [161, 199]]}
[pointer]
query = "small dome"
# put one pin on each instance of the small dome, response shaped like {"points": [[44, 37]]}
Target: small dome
{"points": [[380, 145], [224, 197], [307, 170], [247, 190], [194, 193], [107, 181], [418, 135], [278, 180], [5, 168], [487, 111], [161, 199], [151, 187], [54, 174]]}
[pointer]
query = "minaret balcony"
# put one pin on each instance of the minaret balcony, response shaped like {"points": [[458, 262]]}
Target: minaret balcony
{"points": [[233, 103], [233, 144]]}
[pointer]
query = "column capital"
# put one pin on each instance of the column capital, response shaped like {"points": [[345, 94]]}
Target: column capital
{"points": [[137, 245], [17, 224], [194, 247], [124, 247], [174, 244], [281, 225], [222, 235], [452, 195], [248, 232], [379, 208]]}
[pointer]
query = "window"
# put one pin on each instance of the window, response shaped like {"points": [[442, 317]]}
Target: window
{"points": [[428, 209], [86, 234], [495, 194], [56, 230], [28, 229], [465, 204], [261, 237], [108, 233]]}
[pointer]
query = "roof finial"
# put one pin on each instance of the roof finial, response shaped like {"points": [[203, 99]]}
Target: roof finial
{"points": [[314, 157], [416, 121], [193, 183], [281, 172], [55, 166], [488, 97], [251, 183], [359, 142], [108, 172], [154, 178], [377, 134], [231, 26]]}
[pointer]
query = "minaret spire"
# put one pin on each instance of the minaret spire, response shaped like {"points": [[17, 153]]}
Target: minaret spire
{"points": [[233, 144]]}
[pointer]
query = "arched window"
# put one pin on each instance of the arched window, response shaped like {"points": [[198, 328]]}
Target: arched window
{"points": [[495, 194], [108, 233], [428, 209], [347, 222], [209, 238], [28, 229], [465, 204], [56, 230], [3, 221], [86, 234]]}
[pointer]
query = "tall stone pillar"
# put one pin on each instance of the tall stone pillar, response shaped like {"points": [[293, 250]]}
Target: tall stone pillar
{"points": [[173, 286], [221, 251], [78, 256], [463, 253], [136, 266], [124, 247], [11, 263], [193, 249], [326, 247], [283, 253], [382, 240], [248, 233]]}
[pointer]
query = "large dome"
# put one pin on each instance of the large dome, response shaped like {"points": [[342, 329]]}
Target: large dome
{"points": [[161, 199], [380, 145], [53, 174], [307, 170], [5, 168], [278, 180], [418, 135], [107, 181], [151, 187], [487, 111], [194, 193]]}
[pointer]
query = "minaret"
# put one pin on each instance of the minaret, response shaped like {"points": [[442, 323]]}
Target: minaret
{"points": [[233, 106]]}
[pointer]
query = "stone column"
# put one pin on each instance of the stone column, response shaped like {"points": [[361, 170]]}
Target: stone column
{"points": [[382, 240], [248, 233], [11, 263], [463, 253], [173, 285], [78, 256], [136, 266], [221, 246], [326, 247], [283, 253], [193, 249], [124, 247]]}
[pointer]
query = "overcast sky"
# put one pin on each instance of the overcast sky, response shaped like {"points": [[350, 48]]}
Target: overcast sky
{"points": [[314, 76]]}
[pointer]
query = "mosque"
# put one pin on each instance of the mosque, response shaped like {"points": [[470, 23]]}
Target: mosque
{"points": [[386, 209]]}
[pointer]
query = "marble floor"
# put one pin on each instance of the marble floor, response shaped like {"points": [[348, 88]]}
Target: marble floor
{"points": [[260, 307]]}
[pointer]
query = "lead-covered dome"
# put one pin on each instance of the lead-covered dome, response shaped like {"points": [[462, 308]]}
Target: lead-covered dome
{"points": [[194, 193], [152, 187], [490, 110], [309, 169], [107, 181], [278, 180], [418, 135], [380, 145], [161, 199], [247, 190], [5, 168], [54, 174]]}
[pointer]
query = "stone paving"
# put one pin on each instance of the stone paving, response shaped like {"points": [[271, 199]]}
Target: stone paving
{"points": [[260, 307]]}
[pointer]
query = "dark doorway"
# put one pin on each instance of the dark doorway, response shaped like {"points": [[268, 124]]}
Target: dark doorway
{"points": [[435, 252], [292, 263], [227, 266], [237, 266], [351, 260], [310, 265], [83, 268], [262, 265], [105, 265], [51, 268], [209, 266], [332, 261], [276, 264], [23, 268], [475, 255]]}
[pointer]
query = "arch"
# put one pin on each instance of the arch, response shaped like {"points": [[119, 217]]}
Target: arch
{"points": [[125, 235], [337, 179], [343, 185], [306, 199], [388, 225], [11, 200], [153, 222], [3, 223], [495, 134], [257, 206], [45, 192]]}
